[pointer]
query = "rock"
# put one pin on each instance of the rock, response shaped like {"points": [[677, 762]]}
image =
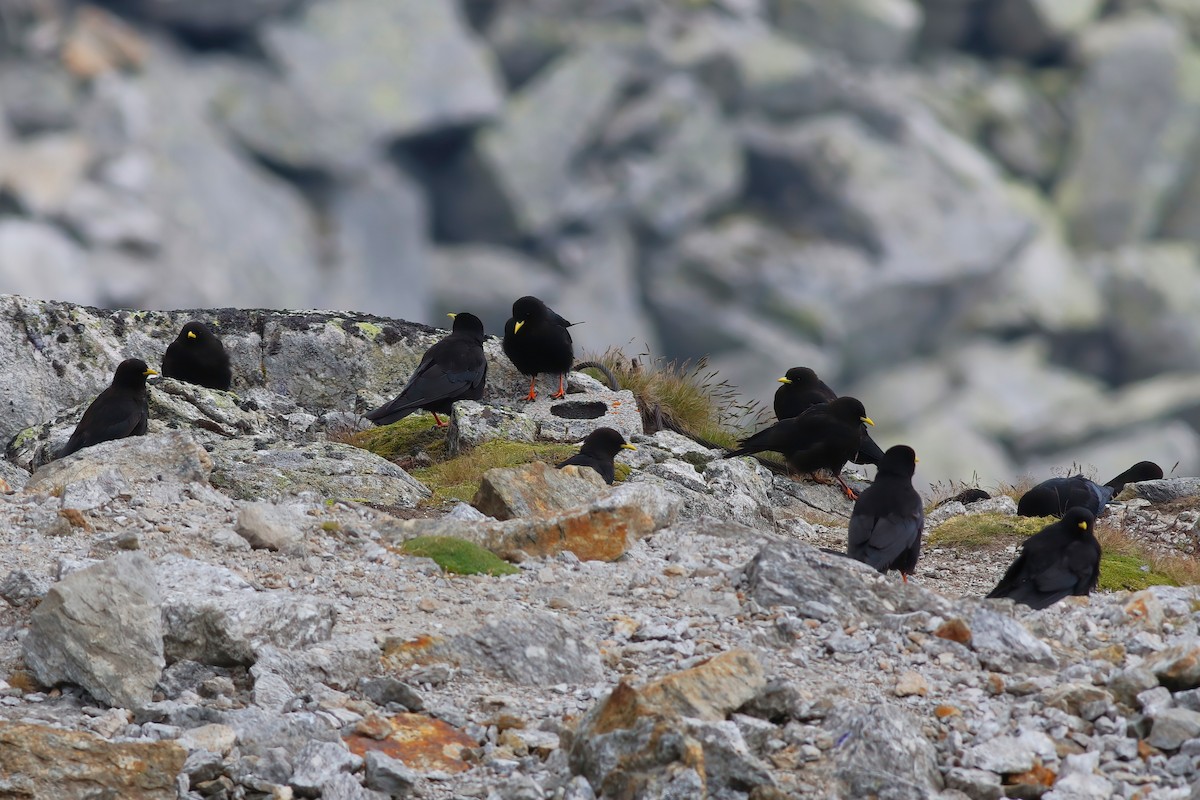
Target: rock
{"points": [[518, 178], [475, 423], [113, 218], [268, 526], [1166, 490], [1116, 180], [542, 649], [871, 31], [20, 588], [421, 743], [220, 17], [1003, 643], [37, 96], [384, 690], [101, 628], [96, 475], [1174, 726], [42, 761], [260, 732], [346, 787], [212, 616], [693, 164], [214, 738], [478, 276], [800, 576], [317, 762], [1008, 755], [328, 469], [43, 173], [911, 683], [1031, 29], [587, 406], [338, 662], [1177, 667], [536, 490], [389, 775], [978, 784], [710, 691], [1077, 780], [37, 260], [884, 751], [601, 531], [400, 85]]}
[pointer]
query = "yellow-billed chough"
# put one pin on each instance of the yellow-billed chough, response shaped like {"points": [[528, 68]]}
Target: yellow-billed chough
{"points": [[824, 437], [888, 518], [454, 368], [536, 340], [801, 390], [598, 451], [120, 410], [1059, 560], [198, 356], [1052, 498]]}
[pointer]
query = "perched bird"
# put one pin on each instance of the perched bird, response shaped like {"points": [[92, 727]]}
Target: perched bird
{"points": [[888, 518], [824, 437], [197, 356], [536, 340], [801, 390], [1061, 559], [120, 410], [1052, 498], [454, 368], [598, 451], [967, 496]]}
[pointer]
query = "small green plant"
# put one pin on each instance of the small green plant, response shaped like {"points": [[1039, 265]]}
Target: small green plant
{"points": [[331, 526], [458, 478], [1128, 572], [991, 530], [403, 439], [458, 556]]}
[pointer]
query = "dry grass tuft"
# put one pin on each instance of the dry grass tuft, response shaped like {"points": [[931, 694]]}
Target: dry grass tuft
{"points": [[1152, 568]]}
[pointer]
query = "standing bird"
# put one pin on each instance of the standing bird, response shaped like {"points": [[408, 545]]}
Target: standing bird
{"points": [[801, 390], [598, 451], [1052, 498], [120, 410], [888, 518], [454, 368], [536, 340], [1061, 559], [824, 437], [197, 356]]}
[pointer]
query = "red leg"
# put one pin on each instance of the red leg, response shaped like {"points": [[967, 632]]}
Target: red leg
{"points": [[561, 393], [849, 492], [904, 577], [532, 389], [439, 422]]}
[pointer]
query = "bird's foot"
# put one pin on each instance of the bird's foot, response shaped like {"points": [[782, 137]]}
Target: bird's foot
{"points": [[562, 392], [904, 577], [438, 423], [850, 493], [532, 389]]}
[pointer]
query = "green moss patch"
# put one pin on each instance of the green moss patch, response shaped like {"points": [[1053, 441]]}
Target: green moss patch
{"points": [[458, 556], [406, 438], [1126, 572], [458, 478], [986, 530]]}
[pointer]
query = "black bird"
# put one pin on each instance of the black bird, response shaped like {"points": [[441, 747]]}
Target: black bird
{"points": [[598, 451], [967, 496], [454, 368], [824, 437], [1059, 560], [1052, 498], [802, 390], [536, 340], [197, 356], [888, 518], [120, 410]]}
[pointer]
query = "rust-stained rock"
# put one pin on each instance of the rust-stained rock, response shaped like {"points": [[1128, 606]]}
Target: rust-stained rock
{"points": [[41, 762], [600, 531], [1178, 667], [422, 743], [1145, 609], [536, 490], [98, 42], [955, 629]]}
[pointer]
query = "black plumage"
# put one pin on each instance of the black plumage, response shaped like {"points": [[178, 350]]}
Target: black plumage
{"points": [[1059, 560], [120, 410], [824, 437], [198, 356], [801, 390], [453, 369], [1052, 498], [598, 451], [888, 518], [536, 340]]}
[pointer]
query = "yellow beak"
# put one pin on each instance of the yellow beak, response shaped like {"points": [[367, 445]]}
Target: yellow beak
{"points": [[1083, 526], [785, 380], [517, 327], [452, 316], [916, 460], [868, 420], [628, 446], [149, 372], [191, 334]]}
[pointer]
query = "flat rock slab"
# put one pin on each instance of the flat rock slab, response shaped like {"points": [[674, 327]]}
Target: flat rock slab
{"points": [[420, 742], [536, 490], [327, 469], [38, 761], [540, 650]]}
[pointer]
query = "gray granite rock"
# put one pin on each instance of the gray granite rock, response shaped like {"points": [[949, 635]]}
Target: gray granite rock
{"points": [[337, 662], [540, 650], [1003, 643], [101, 628], [873, 31], [272, 527], [317, 762], [883, 752]]}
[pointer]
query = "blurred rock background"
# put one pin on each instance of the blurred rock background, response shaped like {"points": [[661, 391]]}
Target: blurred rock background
{"points": [[980, 216]]}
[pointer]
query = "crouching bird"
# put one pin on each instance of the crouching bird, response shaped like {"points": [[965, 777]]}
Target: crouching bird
{"points": [[198, 356], [1052, 498], [888, 518], [119, 411], [1059, 560], [598, 451], [453, 369]]}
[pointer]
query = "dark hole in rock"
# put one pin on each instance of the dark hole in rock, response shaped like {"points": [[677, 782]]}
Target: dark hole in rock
{"points": [[580, 409]]}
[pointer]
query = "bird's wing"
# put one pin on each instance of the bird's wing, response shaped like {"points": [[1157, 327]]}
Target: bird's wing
{"points": [[771, 438], [889, 537], [1013, 577], [107, 418]]}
